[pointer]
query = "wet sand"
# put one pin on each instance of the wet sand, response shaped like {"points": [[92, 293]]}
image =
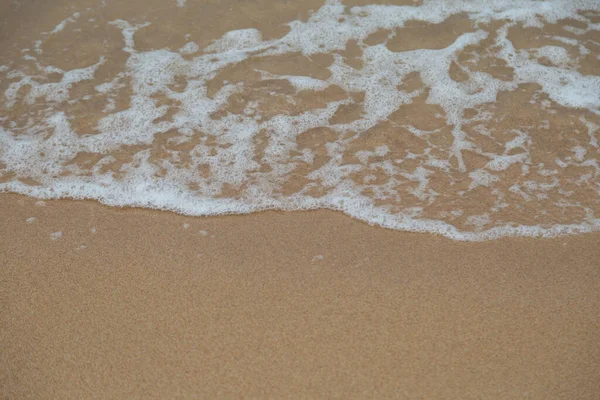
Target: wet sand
{"points": [[287, 305]]}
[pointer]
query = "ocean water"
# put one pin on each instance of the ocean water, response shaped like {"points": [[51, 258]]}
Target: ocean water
{"points": [[470, 119]]}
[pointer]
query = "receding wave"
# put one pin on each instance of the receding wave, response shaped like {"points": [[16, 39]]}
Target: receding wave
{"points": [[470, 119]]}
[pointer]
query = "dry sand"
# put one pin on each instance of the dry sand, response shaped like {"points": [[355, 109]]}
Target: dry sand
{"points": [[296, 305]]}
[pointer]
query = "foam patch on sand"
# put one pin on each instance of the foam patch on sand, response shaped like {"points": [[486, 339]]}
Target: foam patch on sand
{"points": [[461, 136]]}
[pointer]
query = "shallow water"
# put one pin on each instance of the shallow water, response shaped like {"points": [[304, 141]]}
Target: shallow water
{"points": [[469, 119]]}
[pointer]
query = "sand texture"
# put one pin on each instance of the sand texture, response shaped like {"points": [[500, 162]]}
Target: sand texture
{"points": [[287, 305]]}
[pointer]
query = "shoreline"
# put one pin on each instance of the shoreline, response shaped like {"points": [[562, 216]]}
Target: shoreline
{"points": [[432, 227]]}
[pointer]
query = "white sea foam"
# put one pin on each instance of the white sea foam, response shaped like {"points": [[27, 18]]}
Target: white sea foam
{"points": [[400, 185], [64, 22]]}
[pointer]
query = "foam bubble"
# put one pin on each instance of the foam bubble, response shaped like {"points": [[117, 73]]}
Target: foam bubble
{"points": [[56, 235], [189, 48]]}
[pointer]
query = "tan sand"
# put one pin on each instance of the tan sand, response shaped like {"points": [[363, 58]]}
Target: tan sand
{"points": [[99, 302], [287, 305]]}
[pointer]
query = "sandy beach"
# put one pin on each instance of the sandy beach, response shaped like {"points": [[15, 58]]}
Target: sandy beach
{"points": [[431, 170], [287, 305]]}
